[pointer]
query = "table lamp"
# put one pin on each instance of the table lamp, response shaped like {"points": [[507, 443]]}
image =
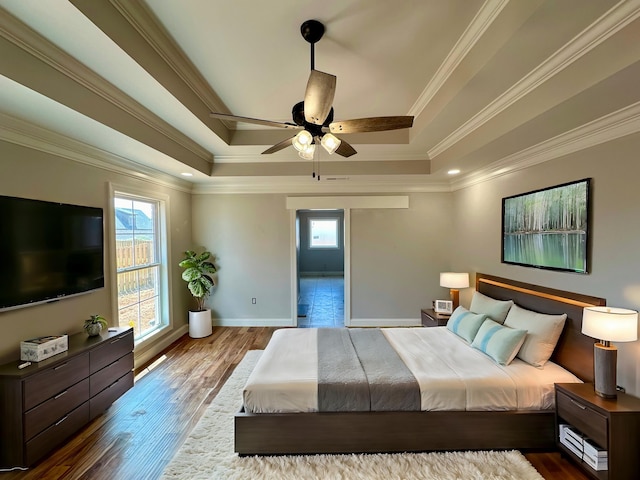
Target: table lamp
{"points": [[454, 281], [608, 324]]}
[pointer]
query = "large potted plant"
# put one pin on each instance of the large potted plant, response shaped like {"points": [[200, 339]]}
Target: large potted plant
{"points": [[198, 273]]}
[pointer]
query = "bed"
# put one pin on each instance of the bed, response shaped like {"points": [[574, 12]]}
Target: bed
{"points": [[300, 431]]}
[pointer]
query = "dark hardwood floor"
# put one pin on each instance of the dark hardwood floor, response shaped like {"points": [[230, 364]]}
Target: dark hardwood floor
{"points": [[142, 430]]}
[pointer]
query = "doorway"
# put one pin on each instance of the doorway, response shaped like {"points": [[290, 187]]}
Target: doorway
{"points": [[321, 253]]}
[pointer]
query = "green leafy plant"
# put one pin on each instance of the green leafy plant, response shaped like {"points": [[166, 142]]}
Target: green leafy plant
{"points": [[198, 274], [95, 324]]}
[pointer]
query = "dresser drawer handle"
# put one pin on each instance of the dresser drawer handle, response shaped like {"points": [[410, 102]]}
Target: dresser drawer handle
{"points": [[60, 366], [579, 405], [59, 395], [61, 420], [115, 340]]}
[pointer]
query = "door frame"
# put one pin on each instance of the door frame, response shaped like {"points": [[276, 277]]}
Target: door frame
{"points": [[345, 203]]}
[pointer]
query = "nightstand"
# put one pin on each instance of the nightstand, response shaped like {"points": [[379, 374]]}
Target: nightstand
{"points": [[432, 319], [611, 424]]}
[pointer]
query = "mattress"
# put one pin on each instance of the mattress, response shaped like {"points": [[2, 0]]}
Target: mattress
{"points": [[450, 373]]}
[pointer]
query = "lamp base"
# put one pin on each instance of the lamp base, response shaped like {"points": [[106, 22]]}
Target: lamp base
{"points": [[455, 298], [604, 363]]}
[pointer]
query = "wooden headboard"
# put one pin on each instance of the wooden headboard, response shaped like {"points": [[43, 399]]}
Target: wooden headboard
{"points": [[574, 350]]}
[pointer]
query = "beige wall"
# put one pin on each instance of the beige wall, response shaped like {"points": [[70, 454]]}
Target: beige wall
{"points": [[614, 270], [250, 236], [397, 255], [30, 173]]}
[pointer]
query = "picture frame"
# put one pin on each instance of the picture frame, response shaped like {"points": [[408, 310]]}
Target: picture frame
{"points": [[548, 228]]}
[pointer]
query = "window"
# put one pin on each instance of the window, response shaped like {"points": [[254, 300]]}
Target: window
{"points": [[323, 233], [139, 269]]}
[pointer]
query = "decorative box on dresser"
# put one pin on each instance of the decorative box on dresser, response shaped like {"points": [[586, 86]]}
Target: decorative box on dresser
{"points": [[432, 319], [45, 403], [611, 424]]}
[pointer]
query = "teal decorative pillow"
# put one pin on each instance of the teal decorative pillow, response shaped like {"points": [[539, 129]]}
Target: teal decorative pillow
{"points": [[499, 342], [465, 324], [496, 310]]}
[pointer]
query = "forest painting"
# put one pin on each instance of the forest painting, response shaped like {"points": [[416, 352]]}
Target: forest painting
{"points": [[548, 228]]}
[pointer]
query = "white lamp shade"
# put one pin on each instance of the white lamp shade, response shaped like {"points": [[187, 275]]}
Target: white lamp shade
{"points": [[302, 140], [610, 324], [330, 143], [454, 280], [307, 152]]}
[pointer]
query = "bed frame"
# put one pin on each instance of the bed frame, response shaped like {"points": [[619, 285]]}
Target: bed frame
{"points": [[368, 432]]}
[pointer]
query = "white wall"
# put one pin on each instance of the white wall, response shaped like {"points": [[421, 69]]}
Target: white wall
{"points": [[30, 173], [614, 270]]}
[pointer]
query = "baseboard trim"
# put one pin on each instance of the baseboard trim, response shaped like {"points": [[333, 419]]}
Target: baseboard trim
{"points": [[254, 322]]}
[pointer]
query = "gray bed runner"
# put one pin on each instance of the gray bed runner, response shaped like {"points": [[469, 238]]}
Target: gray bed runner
{"points": [[358, 370]]}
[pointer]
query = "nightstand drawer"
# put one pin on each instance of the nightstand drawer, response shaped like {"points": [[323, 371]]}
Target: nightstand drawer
{"points": [[585, 419]]}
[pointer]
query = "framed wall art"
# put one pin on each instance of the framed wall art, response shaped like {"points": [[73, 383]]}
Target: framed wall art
{"points": [[548, 228]]}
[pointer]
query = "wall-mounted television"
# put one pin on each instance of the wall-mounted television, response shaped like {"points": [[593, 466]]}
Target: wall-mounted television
{"points": [[48, 251], [548, 228]]}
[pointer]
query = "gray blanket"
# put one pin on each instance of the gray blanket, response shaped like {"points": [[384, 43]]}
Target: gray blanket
{"points": [[358, 370]]}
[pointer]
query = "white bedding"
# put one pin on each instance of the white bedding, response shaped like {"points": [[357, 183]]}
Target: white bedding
{"points": [[451, 374]]}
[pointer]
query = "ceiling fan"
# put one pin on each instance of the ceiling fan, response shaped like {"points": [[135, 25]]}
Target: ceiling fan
{"points": [[314, 116]]}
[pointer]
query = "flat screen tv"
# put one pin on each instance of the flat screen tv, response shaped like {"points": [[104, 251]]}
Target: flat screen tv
{"points": [[48, 251], [548, 228]]}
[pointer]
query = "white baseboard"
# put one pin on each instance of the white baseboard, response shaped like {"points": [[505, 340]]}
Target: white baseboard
{"points": [[254, 322], [385, 322]]}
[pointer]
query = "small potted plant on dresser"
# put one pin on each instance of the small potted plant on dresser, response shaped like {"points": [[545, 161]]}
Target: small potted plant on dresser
{"points": [[198, 273], [94, 325]]}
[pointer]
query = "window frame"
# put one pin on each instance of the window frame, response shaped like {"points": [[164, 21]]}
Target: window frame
{"points": [[162, 231], [336, 220]]}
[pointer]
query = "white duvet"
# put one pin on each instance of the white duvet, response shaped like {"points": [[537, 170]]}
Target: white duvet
{"points": [[451, 374]]}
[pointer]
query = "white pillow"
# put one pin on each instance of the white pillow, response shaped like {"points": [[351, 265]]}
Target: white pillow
{"points": [[465, 324], [499, 342], [543, 333], [496, 310]]}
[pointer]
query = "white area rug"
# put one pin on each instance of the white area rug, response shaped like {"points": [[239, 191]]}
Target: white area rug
{"points": [[208, 454]]}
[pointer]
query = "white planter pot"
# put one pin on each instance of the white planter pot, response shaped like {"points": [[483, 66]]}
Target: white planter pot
{"points": [[200, 324]]}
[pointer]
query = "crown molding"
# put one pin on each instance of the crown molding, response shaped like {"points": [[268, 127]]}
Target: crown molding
{"points": [[19, 132], [474, 31], [30, 41], [147, 25], [329, 185], [620, 123], [599, 31]]}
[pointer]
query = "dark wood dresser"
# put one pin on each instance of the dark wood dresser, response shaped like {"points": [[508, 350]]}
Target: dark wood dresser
{"points": [[45, 403]]}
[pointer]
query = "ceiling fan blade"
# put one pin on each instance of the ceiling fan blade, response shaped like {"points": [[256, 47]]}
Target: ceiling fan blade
{"points": [[345, 149], [257, 121], [372, 124], [279, 146], [318, 97]]}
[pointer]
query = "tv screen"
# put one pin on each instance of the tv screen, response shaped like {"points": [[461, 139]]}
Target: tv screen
{"points": [[48, 251], [548, 228]]}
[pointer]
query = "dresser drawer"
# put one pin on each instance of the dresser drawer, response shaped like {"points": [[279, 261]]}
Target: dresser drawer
{"points": [[109, 374], [42, 386], [101, 401], [43, 443], [52, 410], [585, 419], [113, 349]]}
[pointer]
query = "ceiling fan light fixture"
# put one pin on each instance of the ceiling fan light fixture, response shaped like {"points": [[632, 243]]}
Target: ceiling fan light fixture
{"points": [[330, 142], [307, 153], [302, 140]]}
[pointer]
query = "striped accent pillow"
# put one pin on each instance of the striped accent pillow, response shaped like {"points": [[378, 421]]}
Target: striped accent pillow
{"points": [[465, 324], [499, 342]]}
